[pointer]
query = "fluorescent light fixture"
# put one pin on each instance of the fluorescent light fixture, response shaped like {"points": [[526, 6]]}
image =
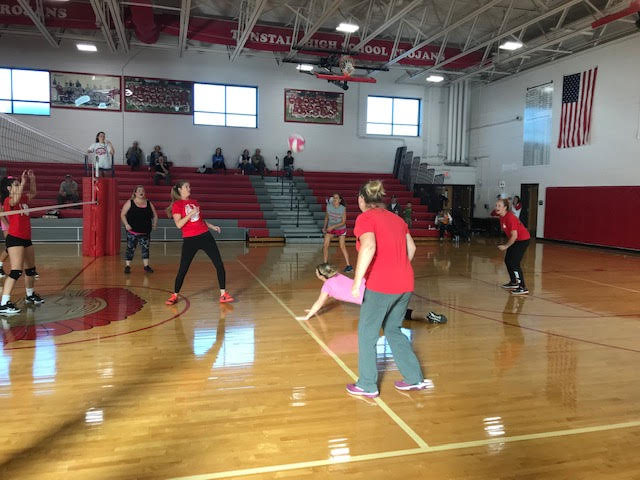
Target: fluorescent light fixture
{"points": [[510, 45], [347, 27], [435, 78], [304, 67], [86, 47]]}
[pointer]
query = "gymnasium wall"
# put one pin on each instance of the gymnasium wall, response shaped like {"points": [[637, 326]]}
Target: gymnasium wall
{"points": [[329, 147], [605, 216], [612, 158]]}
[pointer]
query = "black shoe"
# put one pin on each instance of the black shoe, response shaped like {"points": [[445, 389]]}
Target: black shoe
{"points": [[2, 273], [127, 269], [148, 269], [34, 299], [348, 268], [9, 309], [433, 317], [510, 286], [520, 291]]}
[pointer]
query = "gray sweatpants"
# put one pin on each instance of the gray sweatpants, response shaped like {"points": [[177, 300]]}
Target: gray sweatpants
{"points": [[381, 310]]}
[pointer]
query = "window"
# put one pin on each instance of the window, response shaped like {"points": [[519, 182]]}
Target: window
{"points": [[225, 105], [393, 116], [24, 91], [537, 125]]}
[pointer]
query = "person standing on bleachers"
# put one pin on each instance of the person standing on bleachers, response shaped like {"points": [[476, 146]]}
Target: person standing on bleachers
{"points": [[68, 192], [102, 151]]}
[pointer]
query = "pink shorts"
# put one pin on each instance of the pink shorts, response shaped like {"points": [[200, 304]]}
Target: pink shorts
{"points": [[338, 233]]}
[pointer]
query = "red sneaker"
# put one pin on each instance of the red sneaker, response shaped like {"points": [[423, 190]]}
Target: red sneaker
{"points": [[173, 299], [225, 298]]}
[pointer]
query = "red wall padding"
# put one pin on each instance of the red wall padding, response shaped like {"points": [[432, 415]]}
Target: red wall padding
{"points": [[101, 224], [605, 216]]}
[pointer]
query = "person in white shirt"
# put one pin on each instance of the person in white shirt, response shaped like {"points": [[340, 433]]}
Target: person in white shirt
{"points": [[102, 152], [516, 206]]}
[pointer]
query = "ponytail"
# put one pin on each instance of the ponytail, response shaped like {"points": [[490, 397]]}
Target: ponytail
{"points": [[175, 196], [372, 192]]}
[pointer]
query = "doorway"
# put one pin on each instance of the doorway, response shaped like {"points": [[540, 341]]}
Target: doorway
{"points": [[529, 215]]}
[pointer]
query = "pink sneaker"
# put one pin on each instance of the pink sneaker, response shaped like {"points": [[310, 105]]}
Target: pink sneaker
{"points": [[353, 389], [401, 385]]}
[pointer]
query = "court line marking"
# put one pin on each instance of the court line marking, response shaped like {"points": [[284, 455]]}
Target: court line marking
{"points": [[73, 279], [401, 423], [632, 290], [409, 452]]}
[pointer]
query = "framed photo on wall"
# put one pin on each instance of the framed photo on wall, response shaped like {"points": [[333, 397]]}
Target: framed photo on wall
{"points": [[85, 91], [158, 95], [312, 106]]}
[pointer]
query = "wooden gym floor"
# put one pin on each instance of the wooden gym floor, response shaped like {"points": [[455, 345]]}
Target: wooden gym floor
{"points": [[106, 382]]}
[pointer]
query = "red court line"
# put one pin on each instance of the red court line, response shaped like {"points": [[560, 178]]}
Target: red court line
{"points": [[187, 306], [78, 274]]}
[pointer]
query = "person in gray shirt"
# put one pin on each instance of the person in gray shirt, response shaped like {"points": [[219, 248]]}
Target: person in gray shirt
{"points": [[68, 192], [335, 225]]}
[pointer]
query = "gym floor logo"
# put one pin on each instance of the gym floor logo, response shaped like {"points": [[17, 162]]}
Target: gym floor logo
{"points": [[69, 312]]}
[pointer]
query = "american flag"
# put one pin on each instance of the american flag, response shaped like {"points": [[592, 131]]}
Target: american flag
{"points": [[577, 101]]}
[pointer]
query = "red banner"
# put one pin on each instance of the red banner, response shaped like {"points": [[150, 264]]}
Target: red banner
{"points": [[224, 32]]}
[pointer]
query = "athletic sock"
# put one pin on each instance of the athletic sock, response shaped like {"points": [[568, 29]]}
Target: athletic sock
{"points": [[5, 299], [29, 291]]}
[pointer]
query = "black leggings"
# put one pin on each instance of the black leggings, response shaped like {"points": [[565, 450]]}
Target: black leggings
{"points": [[512, 260], [190, 247]]}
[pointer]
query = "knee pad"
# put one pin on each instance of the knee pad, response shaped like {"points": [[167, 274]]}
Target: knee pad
{"points": [[30, 272], [15, 274]]}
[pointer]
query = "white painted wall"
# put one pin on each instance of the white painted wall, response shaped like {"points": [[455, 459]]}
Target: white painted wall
{"points": [[612, 158], [328, 147]]}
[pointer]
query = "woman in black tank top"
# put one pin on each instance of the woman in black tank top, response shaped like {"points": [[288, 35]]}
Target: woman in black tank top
{"points": [[139, 217]]}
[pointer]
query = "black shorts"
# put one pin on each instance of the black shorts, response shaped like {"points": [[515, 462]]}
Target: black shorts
{"points": [[12, 241]]}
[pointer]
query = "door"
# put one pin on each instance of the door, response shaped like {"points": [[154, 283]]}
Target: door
{"points": [[529, 198], [463, 196]]}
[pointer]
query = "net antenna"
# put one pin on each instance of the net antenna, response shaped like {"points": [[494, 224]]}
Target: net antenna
{"points": [[23, 147]]}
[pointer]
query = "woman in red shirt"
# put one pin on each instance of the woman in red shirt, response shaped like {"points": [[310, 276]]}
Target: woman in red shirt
{"points": [[385, 250], [18, 241], [196, 236], [517, 243]]}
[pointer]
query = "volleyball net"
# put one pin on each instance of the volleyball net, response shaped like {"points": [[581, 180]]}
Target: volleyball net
{"points": [[24, 148]]}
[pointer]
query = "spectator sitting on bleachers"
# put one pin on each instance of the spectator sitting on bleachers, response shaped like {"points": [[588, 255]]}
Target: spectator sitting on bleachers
{"points": [[153, 157], [258, 162], [287, 164], [161, 172], [202, 169], [394, 206], [444, 222], [134, 156], [245, 155], [68, 192], [217, 161], [246, 166], [407, 214]]}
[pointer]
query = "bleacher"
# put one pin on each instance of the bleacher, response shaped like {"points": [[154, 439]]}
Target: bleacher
{"points": [[321, 185], [229, 198]]}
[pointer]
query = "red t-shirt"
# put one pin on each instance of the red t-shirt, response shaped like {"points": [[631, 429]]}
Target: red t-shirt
{"points": [[195, 225], [390, 270], [509, 223], [19, 225]]}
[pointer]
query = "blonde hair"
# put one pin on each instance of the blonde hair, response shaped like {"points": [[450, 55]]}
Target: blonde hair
{"points": [[505, 202], [326, 270], [373, 192], [175, 195], [133, 195]]}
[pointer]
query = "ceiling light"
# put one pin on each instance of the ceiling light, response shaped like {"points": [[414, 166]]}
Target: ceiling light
{"points": [[86, 47], [435, 78], [304, 67], [347, 27], [510, 45]]}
